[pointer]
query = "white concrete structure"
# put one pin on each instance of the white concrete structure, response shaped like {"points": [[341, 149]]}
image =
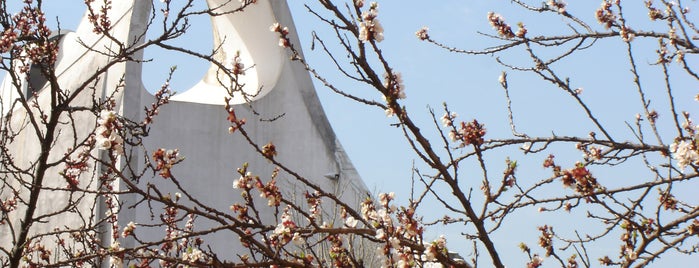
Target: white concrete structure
{"points": [[195, 121]]}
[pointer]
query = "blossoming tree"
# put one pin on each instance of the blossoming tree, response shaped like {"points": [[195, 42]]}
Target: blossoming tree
{"points": [[471, 174]]}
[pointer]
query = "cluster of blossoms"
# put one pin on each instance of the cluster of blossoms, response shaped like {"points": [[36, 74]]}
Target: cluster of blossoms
{"points": [[74, 167], [470, 133], [107, 133], [546, 239], [654, 13], [236, 65], [521, 30], [111, 202], [100, 21], [188, 249], [270, 191], [572, 262], [39, 52], [112, 215], [557, 5], [116, 255], [29, 24], [162, 97], [605, 15], [668, 201], [370, 28], [165, 160], [664, 54], [436, 248], [269, 150], [232, 118], [112, 218], [188, 228], [394, 85], [503, 29], [285, 231], [626, 33], [422, 33], [247, 182], [7, 40], [606, 261], [583, 180], [7, 206], [535, 262], [685, 153], [36, 254], [313, 200], [629, 239], [393, 250], [630, 235], [341, 257], [194, 255], [283, 34], [350, 221], [589, 152], [546, 242], [684, 150], [448, 119], [508, 178], [169, 218], [578, 177], [395, 89], [693, 229], [129, 229]]}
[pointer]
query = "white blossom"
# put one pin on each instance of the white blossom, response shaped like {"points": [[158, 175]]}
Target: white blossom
{"points": [[297, 239], [128, 230], [684, 153], [106, 116], [384, 216], [351, 222], [114, 258], [103, 143], [395, 242], [275, 27], [453, 135], [193, 255], [448, 119], [106, 133], [370, 28], [380, 234]]}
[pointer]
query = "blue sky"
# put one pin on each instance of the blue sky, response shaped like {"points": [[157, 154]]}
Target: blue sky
{"points": [[469, 84]]}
